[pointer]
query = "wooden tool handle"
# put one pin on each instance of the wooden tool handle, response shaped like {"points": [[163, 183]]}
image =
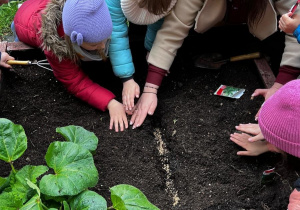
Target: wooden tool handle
{"points": [[245, 57], [15, 62]]}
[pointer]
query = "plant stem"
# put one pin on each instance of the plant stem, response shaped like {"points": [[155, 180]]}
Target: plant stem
{"points": [[12, 167], [45, 207], [111, 207]]}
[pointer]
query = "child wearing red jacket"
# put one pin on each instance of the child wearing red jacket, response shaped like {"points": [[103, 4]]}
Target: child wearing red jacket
{"points": [[69, 32], [279, 125]]}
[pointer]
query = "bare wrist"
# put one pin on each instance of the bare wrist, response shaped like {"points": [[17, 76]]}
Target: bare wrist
{"points": [[110, 103], [276, 86]]}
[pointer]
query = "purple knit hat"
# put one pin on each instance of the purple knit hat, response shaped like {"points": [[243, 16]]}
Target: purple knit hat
{"points": [[279, 118], [86, 21]]}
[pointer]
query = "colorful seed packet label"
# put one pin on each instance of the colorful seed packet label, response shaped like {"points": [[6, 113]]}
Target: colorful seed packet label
{"points": [[229, 91]]}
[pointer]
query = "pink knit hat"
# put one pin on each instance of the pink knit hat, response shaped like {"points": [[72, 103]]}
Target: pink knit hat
{"points": [[279, 118]]}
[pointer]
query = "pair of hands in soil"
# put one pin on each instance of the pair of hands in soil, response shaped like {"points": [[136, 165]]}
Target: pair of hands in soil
{"points": [[146, 105], [254, 144]]}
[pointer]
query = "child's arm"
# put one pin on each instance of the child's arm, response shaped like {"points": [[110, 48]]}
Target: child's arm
{"points": [[151, 33], [120, 54], [119, 49], [78, 83]]}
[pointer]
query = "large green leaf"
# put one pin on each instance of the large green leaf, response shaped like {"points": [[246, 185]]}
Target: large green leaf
{"points": [[34, 203], [127, 197], [20, 187], [80, 136], [74, 170], [13, 140], [88, 200], [9, 201], [31, 173]]}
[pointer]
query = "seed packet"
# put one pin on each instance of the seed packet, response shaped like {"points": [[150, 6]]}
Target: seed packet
{"points": [[229, 91]]}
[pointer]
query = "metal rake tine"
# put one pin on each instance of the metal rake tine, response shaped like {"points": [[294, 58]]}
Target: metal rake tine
{"points": [[42, 64]]}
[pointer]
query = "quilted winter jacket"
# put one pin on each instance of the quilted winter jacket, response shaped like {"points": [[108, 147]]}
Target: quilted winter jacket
{"points": [[119, 49], [48, 35], [205, 14]]}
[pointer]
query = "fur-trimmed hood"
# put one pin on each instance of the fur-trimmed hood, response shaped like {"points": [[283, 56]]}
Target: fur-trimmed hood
{"points": [[51, 41]]}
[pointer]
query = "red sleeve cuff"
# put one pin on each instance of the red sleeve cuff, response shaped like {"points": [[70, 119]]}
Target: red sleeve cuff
{"points": [[155, 75], [286, 74], [100, 98]]}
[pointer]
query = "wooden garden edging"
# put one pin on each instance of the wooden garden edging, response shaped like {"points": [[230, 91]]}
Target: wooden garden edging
{"points": [[265, 71]]}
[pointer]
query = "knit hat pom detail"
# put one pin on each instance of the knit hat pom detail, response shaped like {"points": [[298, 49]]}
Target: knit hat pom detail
{"points": [[76, 37]]}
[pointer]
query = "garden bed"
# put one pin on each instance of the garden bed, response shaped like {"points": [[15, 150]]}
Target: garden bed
{"points": [[181, 158]]}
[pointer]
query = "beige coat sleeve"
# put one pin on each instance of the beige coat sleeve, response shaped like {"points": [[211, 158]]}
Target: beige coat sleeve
{"points": [[173, 32]]}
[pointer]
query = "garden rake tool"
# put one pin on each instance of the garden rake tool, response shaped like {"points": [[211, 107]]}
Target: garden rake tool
{"points": [[215, 61], [41, 63]]}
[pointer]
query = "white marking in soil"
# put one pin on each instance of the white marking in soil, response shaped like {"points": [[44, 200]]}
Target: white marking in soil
{"points": [[163, 153]]}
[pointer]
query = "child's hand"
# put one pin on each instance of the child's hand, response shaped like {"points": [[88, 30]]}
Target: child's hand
{"points": [[288, 24], [252, 129], [252, 148], [4, 58], [117, 115], [130, 90], [266, 93]]}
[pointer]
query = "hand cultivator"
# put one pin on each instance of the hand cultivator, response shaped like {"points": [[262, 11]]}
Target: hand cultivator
{"points": [[41, 63]]}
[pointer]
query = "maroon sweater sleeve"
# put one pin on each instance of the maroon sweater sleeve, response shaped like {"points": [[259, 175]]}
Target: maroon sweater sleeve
{"points": [[155, 75], [78, 83], [286, 74]]}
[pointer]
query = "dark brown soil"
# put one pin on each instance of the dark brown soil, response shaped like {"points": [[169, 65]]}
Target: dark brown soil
{"points": [[181, 157]]}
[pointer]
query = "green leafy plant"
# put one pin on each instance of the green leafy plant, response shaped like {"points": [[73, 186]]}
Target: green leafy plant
{"points": [[7, 14], [62, 184]]}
